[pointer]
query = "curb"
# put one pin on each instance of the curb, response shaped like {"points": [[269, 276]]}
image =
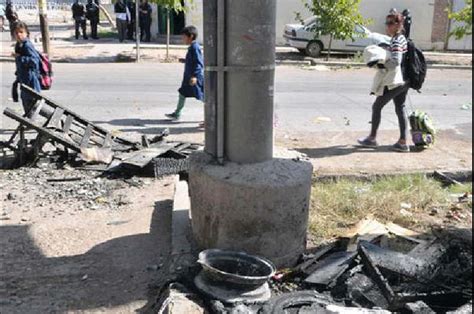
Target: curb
{"points": [[182, 244], [462, 176], [7, 60], [362, 65]]}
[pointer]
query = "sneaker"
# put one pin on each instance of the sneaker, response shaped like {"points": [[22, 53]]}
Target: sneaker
{"points": [[172, 116], [368, 143], [401, 148]]}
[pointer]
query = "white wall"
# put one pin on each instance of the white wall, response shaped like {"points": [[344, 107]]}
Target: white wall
{"points": [[466, 42], [195, 17], [422, 11], [377, 10]]}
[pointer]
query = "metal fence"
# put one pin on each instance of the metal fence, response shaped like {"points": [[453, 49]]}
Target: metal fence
{"points": [[32, 5]]}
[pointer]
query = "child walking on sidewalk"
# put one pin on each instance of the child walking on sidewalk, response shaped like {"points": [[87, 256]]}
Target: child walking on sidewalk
{"points": [[27, 61], [193, 80]]}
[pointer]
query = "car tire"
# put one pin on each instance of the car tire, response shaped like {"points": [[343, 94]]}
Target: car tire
{"points": [[314, 49]]}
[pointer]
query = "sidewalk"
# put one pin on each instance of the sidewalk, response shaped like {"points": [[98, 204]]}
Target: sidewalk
{"points": [[106, 50], [335, 154]]}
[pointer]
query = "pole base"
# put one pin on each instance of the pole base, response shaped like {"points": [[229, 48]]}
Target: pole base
{"points": [[261, 209]]}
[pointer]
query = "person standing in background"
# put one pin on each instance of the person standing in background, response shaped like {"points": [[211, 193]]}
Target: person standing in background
{"points": [[93, 15], [145, 21], [12, 18], [122, 14], [408, 23], [133, 20], [79, 16]]}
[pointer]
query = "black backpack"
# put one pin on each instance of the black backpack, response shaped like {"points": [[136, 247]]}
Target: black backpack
{"points": [[414, 67]]}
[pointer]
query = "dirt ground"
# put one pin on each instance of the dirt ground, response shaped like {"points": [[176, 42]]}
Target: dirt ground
{"points": [[94, 245], [335, 153]]}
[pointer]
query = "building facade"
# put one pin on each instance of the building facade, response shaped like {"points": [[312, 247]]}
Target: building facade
{"points": [[430, 30]]}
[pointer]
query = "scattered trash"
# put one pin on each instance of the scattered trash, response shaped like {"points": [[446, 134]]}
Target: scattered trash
{"points": [[445, 179], [406, 206], [319, 120], [466, 106]]}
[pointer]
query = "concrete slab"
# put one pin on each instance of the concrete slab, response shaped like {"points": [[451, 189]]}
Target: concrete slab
{"points": [[180, 301], [182, 246]]}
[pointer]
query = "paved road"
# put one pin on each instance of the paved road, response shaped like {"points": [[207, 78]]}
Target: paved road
{"points": [[126, 96]]}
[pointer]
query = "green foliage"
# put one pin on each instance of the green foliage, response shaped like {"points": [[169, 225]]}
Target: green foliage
{"points": [[336, 18], [465, 17], [172, 4]]}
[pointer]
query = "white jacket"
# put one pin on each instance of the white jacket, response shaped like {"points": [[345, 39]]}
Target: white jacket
{"points": [[392, 78]]}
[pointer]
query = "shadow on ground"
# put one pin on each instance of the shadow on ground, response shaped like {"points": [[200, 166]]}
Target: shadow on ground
{"points": [[344, 150], [111, 274], [144, 122]]}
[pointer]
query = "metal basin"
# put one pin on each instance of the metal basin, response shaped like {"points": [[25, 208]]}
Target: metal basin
{"points": [[236, 268]]}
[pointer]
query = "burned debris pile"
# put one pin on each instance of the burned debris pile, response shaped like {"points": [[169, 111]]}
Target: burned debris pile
{"points": [[53, 133], [376, 269]]}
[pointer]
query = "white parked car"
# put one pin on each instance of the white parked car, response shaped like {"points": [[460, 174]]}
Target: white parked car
{"points": [[302, 37]]}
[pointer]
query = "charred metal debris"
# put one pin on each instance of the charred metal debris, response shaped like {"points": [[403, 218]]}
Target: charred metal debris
{"points": [[53, 133]]}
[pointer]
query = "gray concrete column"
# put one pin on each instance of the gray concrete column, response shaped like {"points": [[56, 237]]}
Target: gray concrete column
{"points": [[249, 202], [240, 46], [250, 92]]}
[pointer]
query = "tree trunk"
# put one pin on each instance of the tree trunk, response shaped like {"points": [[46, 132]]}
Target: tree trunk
{"points": [[44, 26], [168, 33], [329, 48]]}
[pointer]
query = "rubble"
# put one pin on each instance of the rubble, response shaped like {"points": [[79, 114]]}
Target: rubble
{"points": [[331, 268], [178, 300], [392, 269], [77, 141], [419, 307]]}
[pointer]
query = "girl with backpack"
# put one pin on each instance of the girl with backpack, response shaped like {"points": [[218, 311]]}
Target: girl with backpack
{"points": [[28, 62], [391, 86]]}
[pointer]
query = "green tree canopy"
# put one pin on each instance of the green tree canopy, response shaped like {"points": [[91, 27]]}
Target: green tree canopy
{"points": [[336, 18], [465, 18]]}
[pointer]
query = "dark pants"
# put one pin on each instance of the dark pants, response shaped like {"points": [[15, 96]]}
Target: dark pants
{"points": [[131, 30], [122, 29], [81, 24], [145, 31], [399, 96], [94, 26]]}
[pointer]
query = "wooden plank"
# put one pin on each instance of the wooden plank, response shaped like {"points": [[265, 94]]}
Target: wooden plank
{"points": [[145, 156], [55, 121], [43, 131], [107, 141], [87, 136], [68, 124], [76, 117], [404, 233]]}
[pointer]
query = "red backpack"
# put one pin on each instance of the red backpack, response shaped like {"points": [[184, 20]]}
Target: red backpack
{"points": [[46, 72]]}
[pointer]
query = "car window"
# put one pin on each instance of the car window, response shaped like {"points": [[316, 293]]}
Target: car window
{"points": [[359, 29], [309, 21]]}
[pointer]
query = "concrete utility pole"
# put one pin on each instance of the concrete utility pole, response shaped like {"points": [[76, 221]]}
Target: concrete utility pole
{"points": [[241, 197], [43, 16]]}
